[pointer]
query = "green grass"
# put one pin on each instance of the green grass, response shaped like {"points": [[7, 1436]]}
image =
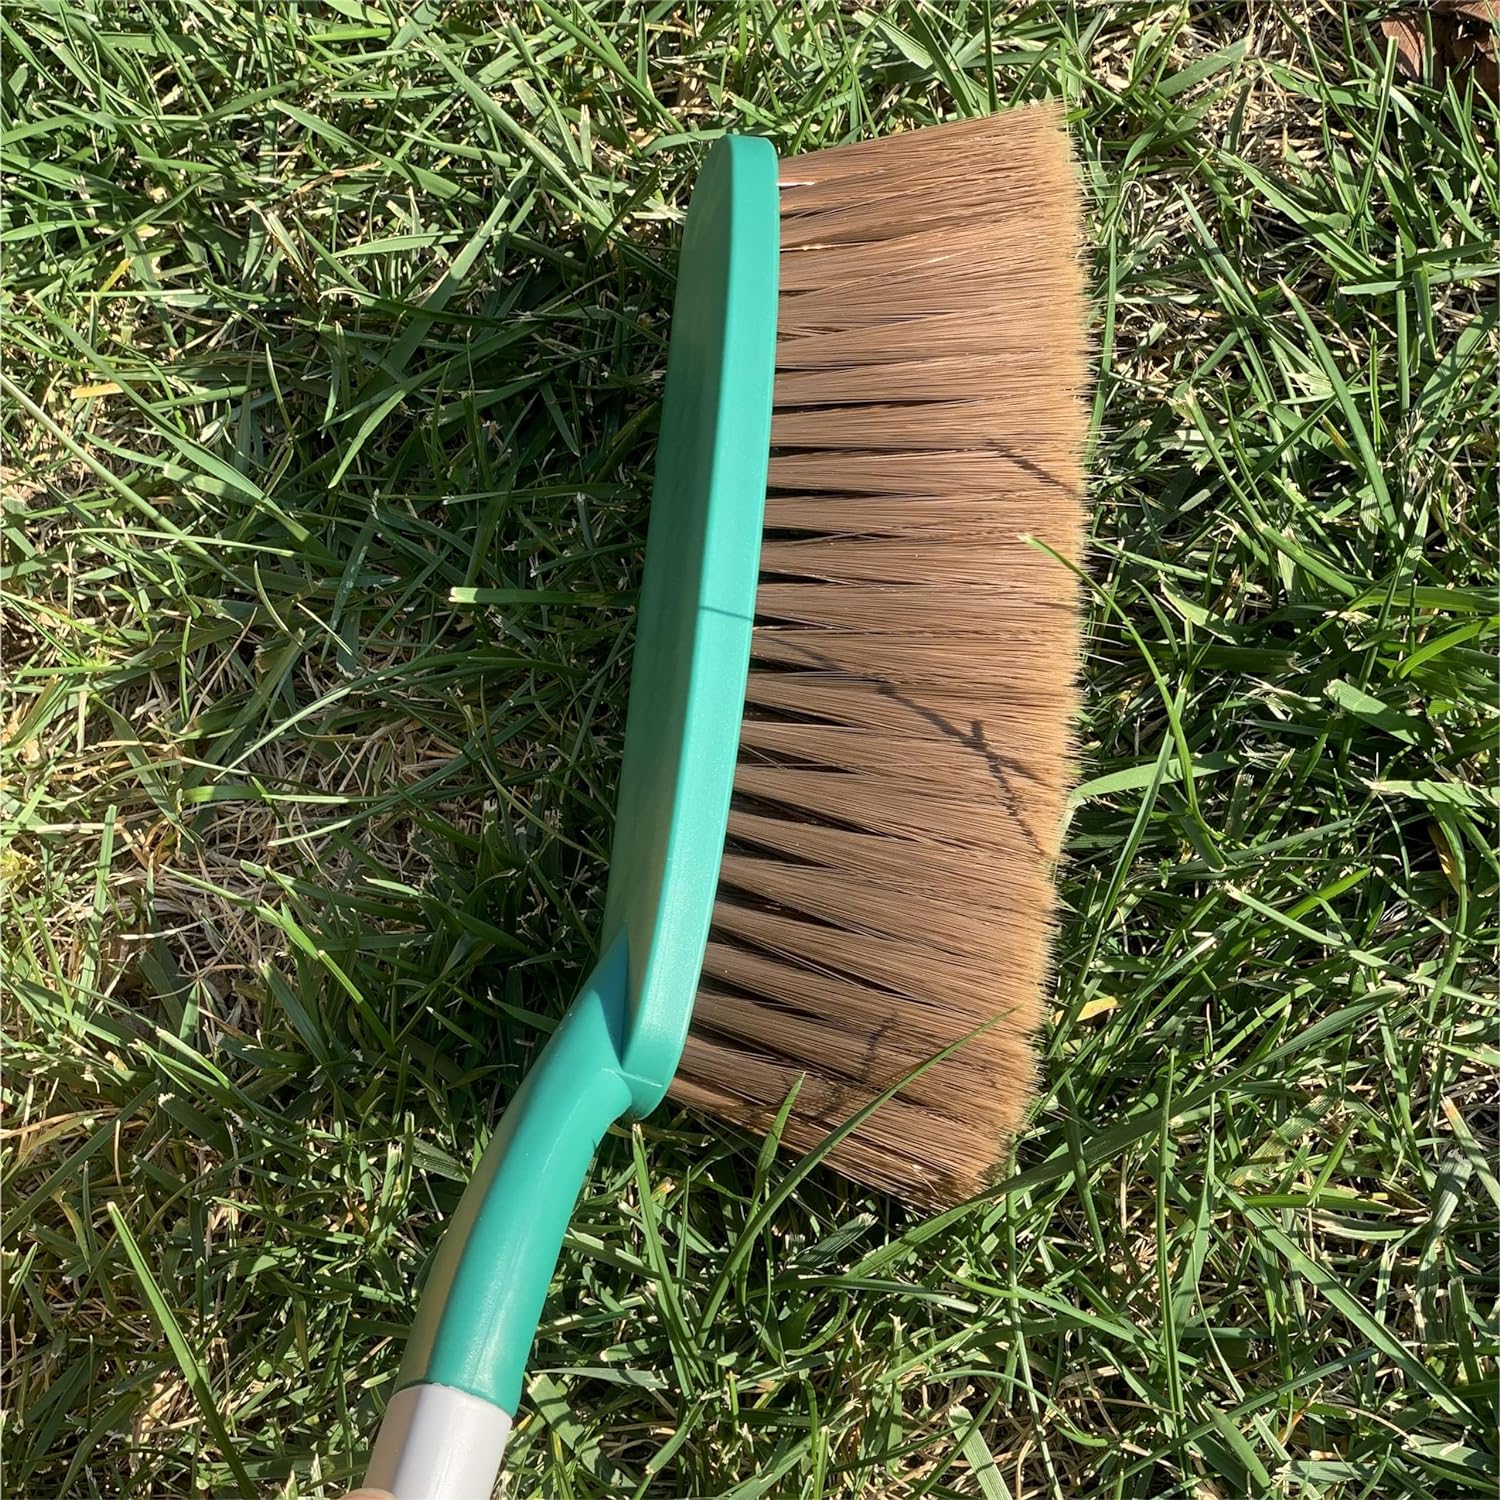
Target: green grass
{"points": [[333, 341]]}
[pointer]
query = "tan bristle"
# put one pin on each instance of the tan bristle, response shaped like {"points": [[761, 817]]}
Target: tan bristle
{"points": [[904, 762]]}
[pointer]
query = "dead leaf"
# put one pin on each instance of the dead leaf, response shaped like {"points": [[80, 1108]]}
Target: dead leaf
{"points": [[1461, 35], [1446, 860], [1100, 1006]]}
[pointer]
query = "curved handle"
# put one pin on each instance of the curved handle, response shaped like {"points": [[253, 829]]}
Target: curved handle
{"points": [[480, 1307]]}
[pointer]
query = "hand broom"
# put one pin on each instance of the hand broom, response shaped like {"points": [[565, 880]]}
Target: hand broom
{"points": [[875, 384]]}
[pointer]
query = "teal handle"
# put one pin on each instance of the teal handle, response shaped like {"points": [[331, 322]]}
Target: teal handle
{"points": [[619, 1044], [480, 1307]]}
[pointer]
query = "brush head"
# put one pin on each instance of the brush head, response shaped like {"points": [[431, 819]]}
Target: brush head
{"points": [[886, 887]]}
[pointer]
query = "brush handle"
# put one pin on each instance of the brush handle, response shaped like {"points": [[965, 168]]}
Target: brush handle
{"points": [[619, 1045], [479, 1310]]}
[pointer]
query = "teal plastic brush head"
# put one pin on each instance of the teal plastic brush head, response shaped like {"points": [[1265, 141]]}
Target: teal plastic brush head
{"points": [[617, 1048]]}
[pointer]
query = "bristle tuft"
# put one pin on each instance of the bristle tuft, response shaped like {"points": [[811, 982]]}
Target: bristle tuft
{"points": [[905, 759]]}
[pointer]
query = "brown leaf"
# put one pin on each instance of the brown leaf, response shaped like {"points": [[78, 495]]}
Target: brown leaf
{"points": [[1411, 43], [1462, 36], [1479, 10]]}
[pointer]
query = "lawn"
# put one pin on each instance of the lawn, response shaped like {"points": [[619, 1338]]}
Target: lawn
{"points": [[333, 344]]}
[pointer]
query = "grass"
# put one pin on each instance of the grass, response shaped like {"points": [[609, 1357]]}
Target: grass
{"points": [[333, 336]]}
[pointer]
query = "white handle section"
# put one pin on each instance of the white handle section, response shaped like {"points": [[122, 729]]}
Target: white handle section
{"points": [[437, 1443]]}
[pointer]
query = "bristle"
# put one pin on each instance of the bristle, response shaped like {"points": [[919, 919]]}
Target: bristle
{"points": [[904, 761]]}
